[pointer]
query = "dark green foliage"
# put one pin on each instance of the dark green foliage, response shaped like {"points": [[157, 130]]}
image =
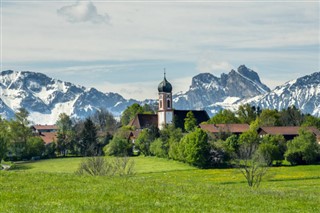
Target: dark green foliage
{"points": [[105, 121], [18, 134], [88, 139], [50, 150], [169, 138], [130, 113], [65, 135], [303, 149], [159, 148], [34, 148], [3, 147], [194, 148], [272, 148], [311, 121], [190, 122], [118, 146], [224, 117], [145, 138], [250, 136], [269, 117], [247, 113], [291, 117]]}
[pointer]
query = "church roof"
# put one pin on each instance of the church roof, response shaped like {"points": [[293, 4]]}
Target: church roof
{"points": [[142, 121], [180, 115], [165, 86]]}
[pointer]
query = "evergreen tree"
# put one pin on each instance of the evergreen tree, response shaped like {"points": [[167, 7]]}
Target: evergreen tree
{"points": [[88, 139], [190, 122]]}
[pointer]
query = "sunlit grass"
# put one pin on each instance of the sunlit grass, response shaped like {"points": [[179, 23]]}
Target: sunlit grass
{"points": [[160, 185]]}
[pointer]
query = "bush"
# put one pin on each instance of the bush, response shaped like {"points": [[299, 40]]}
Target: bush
{"points": [[194, 148], [99, 166], [119, 147], [158, 148], [303, 149]]}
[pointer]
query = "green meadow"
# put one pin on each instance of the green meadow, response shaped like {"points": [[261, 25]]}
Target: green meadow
{"points": [[159, 185]]}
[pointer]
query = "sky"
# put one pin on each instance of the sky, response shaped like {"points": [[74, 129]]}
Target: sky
{"points": [[124, 46]]}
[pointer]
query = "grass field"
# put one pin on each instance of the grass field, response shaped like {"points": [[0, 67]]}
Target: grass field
{"points": [[159, 185]]}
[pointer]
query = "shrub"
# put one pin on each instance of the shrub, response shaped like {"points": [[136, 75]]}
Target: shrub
{"points": [[99, 166], [119, 147], [303, 149], [194, 148], [158, 148]]}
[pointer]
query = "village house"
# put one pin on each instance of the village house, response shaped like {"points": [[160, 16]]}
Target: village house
{"points": [[48, 133], [288, 132], [225, 128]]}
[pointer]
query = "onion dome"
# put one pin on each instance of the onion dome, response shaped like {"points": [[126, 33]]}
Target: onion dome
{"points": [[165, 86]]}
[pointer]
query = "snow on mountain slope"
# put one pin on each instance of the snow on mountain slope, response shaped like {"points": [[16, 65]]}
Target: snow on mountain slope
{"points": [[304, 93], [208, 91], [45, 98]]}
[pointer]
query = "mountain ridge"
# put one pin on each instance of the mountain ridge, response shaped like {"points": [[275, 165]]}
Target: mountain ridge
{"points": [[45, 98]]}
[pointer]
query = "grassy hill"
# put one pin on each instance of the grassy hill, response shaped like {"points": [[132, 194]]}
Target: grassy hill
{"points": [[160, 185]]}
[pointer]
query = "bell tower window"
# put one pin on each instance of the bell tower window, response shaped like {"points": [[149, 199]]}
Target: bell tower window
{"points": [[168, 104]]}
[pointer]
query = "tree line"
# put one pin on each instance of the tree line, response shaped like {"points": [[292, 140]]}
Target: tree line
{"points": [[101, 134]]}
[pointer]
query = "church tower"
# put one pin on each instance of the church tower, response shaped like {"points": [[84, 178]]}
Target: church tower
{"points": [[165, 112]]}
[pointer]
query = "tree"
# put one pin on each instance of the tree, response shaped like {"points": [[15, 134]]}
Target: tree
{"points": [[224, 117], [65, 134], [272, 148], [251, 164], [4, 142], [303, 149], [247, 114], [310, 120], [105, 121], [194, 148], [118, 146], [169, 137], [269, 117], [88, 141], [35, 147], [251, 136], [130, 113], [190, 122], [3, 147], [291, 117], [18, 133], [145, 138]]}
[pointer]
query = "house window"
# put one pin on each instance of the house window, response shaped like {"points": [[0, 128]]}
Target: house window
{"points": [[168, 104]]}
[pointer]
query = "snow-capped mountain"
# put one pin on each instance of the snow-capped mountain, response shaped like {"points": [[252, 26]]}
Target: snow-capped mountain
{"points": [[212, 93], [304, 93], [45, 98]]}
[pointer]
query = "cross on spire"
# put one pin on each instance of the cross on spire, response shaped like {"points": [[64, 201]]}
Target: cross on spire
{"points": [[164, 72]]}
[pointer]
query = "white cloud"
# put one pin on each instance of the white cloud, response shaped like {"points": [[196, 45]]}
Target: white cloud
{"points": [[83, 11], [209, 62]]}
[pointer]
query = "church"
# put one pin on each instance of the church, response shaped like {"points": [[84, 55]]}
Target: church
{"points": [[166, 112]]}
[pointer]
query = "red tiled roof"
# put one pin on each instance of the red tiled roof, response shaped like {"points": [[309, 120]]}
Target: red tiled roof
{"points": [[232, 128], [287, 130], [45, 127], [142, 121], [48, 137]]}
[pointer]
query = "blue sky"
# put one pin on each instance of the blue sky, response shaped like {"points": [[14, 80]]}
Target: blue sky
{"points": [[123, 46]]}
